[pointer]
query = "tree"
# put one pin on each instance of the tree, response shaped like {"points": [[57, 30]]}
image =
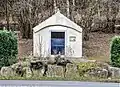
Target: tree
{"points": [[68, 8], [5, 7], [55, 6], [112, 11], [31, 12]]}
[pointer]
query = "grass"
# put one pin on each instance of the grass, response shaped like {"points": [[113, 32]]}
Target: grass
{"points": [[100, 58], [115, 80]]}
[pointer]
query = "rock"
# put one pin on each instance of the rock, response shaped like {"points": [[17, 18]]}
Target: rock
{"points": [[20, 68], [39, 67], [55, 71], [16, 65], [51, 60], [38, 72], [98, 72], [71, 71], [28, 72], [103, 73], [6, 71], [115, 71]]}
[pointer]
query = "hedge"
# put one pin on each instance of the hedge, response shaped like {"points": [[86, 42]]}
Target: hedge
{"points": [[115, 51], [8, 48]]}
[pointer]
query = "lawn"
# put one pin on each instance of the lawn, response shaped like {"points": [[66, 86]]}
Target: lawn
{"points": [[115, 80]]}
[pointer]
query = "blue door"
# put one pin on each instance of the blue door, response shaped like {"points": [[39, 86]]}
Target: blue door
{"points": [[57, 43]]}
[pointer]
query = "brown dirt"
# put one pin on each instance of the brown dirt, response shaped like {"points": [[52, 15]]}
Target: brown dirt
{"points": [[98, 46], [25, 47]]}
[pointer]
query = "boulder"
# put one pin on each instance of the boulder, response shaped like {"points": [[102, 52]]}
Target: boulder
{"points": [[55, 71], [16, 65], [28, 72], [38, 67], [6, 71], [115, 71], [71, 71], [51, 60], [20, 68], [98, 72], [38, 73]]}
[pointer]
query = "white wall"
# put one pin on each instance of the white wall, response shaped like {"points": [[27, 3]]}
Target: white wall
{"points": [[75, 46], [44, 36]]}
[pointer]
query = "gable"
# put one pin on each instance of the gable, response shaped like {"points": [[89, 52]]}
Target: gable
{"points": [[57, 19]]}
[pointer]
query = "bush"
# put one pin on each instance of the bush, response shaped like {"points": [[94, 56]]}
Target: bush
{"points": [[8, 48], [84, 67], [115, 51]]}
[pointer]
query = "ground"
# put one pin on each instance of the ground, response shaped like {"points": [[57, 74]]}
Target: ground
{"points": [[98, 46], [25, 47]]}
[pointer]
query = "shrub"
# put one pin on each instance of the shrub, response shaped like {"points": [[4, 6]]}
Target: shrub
{"points": [[115, 51], [84, 67], [8, 48]]}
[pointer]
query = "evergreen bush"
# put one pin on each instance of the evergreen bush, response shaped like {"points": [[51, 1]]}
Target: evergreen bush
{"points": [[8, 48], [115, 51]]}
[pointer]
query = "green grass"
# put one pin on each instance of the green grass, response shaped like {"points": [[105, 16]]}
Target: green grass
{"points": [[116, 80]]}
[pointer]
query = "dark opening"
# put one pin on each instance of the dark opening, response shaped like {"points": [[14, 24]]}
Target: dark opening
{"points": [[57, 34], [57, 43]]}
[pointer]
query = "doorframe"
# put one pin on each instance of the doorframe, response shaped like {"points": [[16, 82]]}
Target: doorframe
{"points": [[65, 31]]}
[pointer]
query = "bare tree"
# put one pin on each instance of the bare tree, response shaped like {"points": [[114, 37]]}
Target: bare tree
{"points": [[112, 11], [68, 8], [5, 9], [29, 13], [55, 6]]}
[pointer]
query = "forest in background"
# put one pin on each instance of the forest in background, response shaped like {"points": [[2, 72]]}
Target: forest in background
{"points": [[92, 15]]}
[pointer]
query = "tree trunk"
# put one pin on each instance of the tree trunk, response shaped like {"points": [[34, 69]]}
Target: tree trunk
{"points": [[73, 2], [68, 9], [7, 15], [73, 10], [55, 6]]}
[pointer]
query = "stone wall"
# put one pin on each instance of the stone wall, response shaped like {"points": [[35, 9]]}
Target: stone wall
{"points": [[55, 71], [102, 71]]}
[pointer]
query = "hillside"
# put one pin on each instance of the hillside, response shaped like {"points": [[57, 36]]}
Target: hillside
{"points": [[98, 46]]}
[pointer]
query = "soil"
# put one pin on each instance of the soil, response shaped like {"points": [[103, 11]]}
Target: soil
{"points": [[25, 47], [98, 46]]}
